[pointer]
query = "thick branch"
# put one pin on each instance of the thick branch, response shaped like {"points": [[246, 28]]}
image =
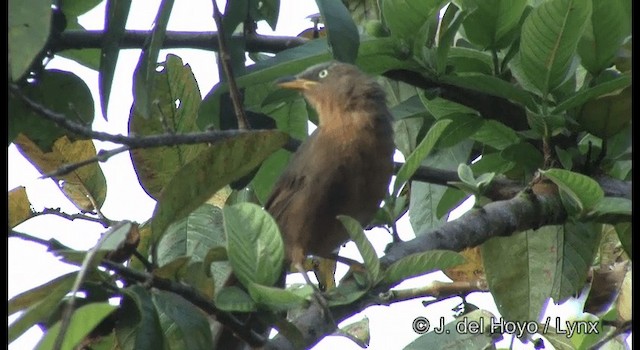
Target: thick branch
{"points": [[503, 218], [134, 39]]}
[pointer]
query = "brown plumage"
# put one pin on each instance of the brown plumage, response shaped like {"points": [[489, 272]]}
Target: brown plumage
{"points": [[343, 168]]}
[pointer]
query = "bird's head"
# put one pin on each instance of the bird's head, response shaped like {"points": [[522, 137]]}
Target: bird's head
{"points": [[336, 88]]}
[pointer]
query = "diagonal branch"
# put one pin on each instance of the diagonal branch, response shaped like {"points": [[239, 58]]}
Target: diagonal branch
{"points": [[502, 218], [225, 61]]}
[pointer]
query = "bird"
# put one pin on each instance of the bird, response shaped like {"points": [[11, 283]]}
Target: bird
{"points": [[343, 168]]}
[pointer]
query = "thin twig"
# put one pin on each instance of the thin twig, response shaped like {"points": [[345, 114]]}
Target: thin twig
{"points": [[101, 156], [71, 217], [225, 59], [436, 289], [131, 141]]}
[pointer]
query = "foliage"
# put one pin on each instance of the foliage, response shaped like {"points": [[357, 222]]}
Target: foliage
{"points": [[533, 92]]}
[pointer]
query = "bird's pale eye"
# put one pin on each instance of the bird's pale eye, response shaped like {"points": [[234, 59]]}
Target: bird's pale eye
{"points": [[323, 73]]}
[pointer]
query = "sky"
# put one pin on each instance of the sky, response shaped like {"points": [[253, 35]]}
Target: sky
{"points": [[30, 265]]}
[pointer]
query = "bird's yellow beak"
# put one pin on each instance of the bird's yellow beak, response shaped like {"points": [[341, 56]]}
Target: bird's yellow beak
{"points": [[295, 83]]}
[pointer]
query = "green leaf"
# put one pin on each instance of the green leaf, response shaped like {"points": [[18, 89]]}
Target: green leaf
{"points": [[524, 154], [495, 134], [115, 21], [29, 26], [550, 35], [143, 76], [291, 118], [462, 127], [520, 271], [341, 30], [607, 115], [213, 168], [59, 91], [184, 325], [442, 108], [276, 299], [254, 244], [466, 175], [82, 322], [447, 35], [576, 253], [582, 96], [267, 10], [421, 152], [138, 325], [611, 209], [194, 236], [40, 311], [425, 197], [451, 199], [492, 86], [420, 264], [371, 261], [585, 190], [405, 17], [177, 97], [35, 295], [234, 299], [624, 234], [75, 8], [492, 21], [609, 26]]}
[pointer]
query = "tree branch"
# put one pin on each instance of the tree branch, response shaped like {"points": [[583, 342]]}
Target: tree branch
{"points": [[134, 39], [502, 218], [225, 59]]}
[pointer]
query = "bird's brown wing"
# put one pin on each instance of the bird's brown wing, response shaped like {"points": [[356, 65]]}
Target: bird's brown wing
{"points": [[283, 191]]}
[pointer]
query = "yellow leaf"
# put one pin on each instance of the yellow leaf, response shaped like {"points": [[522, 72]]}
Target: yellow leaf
{"points": [[19, 206], [80, 184]]}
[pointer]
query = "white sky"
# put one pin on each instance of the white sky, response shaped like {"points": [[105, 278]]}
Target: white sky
{"points": [[30, 265]]}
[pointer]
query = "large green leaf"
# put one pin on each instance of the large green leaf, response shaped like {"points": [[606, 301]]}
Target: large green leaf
{"points": [[291, 118], [609, 26], [29, 26], [425, 197], [371, 261], [491, 22], [495, 134], [582, 96], [40, 311], [550, 35], [608, 114], [138, 325], [421, 152], [177, 97], [583, 189], [576, 254], [184, 326], [405, 17], [520, 271], [193, 236], [82, 322], [213, 168], [254, 244], [341, 30], [59, 91]]}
